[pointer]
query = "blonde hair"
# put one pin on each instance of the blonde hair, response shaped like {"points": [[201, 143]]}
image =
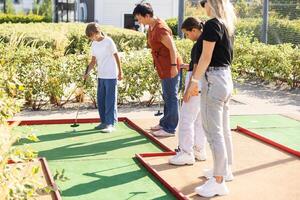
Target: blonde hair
{"points": [[223, 10]]}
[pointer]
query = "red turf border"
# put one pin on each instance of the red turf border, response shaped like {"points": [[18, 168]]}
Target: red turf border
{"points": [[268, 141], [139, 157], [172, 189], [48, 177]]}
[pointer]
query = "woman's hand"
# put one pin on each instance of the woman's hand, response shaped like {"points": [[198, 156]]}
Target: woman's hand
{"points": [[192, 90]]}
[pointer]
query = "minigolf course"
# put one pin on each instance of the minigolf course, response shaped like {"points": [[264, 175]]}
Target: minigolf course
{"points": [[99, 165], [128, 164]]}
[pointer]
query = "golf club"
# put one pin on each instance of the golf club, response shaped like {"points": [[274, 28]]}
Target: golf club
{"points": [[180, 90], [158, 113], [80, 101]]}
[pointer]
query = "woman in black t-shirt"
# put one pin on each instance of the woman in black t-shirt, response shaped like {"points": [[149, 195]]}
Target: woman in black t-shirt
{"points": [[216, 87]]}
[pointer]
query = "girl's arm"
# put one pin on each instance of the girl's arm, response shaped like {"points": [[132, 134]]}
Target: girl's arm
{"points": [[91, 66], [198, 72], [120, 75]]}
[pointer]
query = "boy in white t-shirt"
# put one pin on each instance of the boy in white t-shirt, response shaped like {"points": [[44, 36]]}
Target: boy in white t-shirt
{"points": [[105, 55]]}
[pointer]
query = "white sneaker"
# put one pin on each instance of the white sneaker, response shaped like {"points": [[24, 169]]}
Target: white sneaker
{"points": [[162, 133], [108, 129], [211, 188], [200, 154], [182, 158], [155, 128], [208, 173]]}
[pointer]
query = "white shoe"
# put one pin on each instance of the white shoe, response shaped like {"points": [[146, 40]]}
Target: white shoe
{"points": [[108, 129], [200, 154], [182, 158], [211, 188], [162, 133], [155, 128], [208, 173]]}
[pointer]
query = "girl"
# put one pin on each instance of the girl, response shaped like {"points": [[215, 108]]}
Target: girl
{"points": [[105, 55], [191, 134]]}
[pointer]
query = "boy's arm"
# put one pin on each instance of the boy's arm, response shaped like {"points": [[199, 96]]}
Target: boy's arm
{"points": [[120, 75], [91, 66]]}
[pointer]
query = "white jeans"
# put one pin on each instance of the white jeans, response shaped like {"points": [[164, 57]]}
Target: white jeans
{"points": [[215, 95], [191, 133]]}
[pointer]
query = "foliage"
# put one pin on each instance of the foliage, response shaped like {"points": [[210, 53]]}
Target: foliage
{"points": [[50, 74], [245, 9], [267, 62], [21, 18], [68, 37], [280, 30]]}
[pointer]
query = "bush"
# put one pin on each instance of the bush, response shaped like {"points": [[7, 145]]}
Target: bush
{"points": [[173, 24], [267, 62], [49, 75], [21, 18], [280, 30], [68, 37]]}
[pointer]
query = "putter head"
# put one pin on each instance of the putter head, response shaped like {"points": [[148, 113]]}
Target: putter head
{"points": [[158, 113], [74, 125]]}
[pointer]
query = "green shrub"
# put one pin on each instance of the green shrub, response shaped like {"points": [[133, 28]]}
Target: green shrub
{"points": [[267, 62], [21, 18], [280, 30], [68, 37], [173, 24], [49, 75]]}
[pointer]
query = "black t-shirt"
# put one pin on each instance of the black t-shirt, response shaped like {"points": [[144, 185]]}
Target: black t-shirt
{"points": [[215, 31], [196, 53]]}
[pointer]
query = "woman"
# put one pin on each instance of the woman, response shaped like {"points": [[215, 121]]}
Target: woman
{"points": [[165, 60], [214, 70]]}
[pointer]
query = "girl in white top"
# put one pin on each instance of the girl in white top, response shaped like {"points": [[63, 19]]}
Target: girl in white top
{"points": [[105, 55]]}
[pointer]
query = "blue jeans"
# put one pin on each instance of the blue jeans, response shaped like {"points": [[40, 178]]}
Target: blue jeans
{"points": [[169, 121], [107, 100]]}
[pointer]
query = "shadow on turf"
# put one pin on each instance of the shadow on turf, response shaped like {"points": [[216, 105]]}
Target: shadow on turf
{"points": [[103, 182], [59, 136], [90, 148]]}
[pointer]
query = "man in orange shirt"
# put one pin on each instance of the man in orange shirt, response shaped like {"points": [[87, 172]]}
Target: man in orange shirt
{"points": [[165, 60]]}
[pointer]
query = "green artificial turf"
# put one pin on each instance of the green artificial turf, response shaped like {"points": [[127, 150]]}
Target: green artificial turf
{"points": [[277, 128], [99, 165]]}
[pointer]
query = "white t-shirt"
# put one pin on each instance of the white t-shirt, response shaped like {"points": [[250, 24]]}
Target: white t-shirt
{"points": [[106, 63]]}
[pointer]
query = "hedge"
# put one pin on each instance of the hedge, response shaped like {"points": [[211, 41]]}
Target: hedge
{"points": [[280, 30], [41, 75], [21, 18], [67, 37]]}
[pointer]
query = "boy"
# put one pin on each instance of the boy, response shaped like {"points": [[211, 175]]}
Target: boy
{"points": [[105, 55]]}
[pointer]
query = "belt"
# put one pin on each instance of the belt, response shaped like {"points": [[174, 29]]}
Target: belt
{"points": [[212, 68]]}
